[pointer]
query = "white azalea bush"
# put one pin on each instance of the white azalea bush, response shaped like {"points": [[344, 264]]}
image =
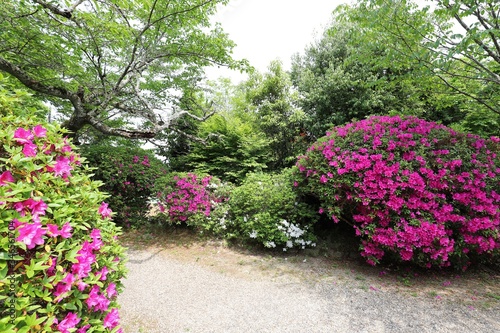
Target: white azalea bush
{"points": [[265, 209]]}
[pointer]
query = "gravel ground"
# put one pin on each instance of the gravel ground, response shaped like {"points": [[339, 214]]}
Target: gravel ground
{"points": [[163, 294]]}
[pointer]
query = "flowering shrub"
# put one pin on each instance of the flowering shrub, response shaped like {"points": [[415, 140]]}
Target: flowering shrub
{"points": [[60, 262], [265, 209], [187, 198], [129, 175], [412, 188]]}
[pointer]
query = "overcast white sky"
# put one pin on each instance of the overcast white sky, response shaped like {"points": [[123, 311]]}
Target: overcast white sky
{"points": [[265, 30]]}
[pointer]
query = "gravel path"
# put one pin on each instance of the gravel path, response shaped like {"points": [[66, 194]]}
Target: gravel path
{"points": [[163, 294]]}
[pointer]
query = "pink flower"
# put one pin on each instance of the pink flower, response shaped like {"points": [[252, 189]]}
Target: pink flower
{"points": [[6, 177], [31, 234], [103, 272], [62, 167], [39, 131], [69, 322], [64, 286], [111, 290], [81, 285], [66, 230], [23, 136], [96, 300], [52, 230], [111, 320], [85, 259], [96, 239], [104, 210], [83, 329], [29, 149]]}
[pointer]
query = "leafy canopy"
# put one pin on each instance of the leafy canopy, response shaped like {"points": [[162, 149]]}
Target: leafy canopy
{"points": [[102, 60]]}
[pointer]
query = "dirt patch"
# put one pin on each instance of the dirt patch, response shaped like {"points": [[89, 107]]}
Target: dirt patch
{"points": [[478, 287]]}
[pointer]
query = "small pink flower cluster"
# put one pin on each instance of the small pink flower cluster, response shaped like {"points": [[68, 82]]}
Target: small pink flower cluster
{"points": [[62, 167], [189, 196], [410, 186]]}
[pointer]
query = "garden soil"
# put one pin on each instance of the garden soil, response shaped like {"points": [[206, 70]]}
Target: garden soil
{"points": [[205, 288]]}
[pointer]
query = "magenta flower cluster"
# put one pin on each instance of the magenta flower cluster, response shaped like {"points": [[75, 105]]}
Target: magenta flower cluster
{"points": [[189, 195], [35, 231], [410, 187]]}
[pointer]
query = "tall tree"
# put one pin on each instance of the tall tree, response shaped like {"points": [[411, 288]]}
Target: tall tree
{"points": [[338, 84], [274, 103], [103, 59], [457, 42]]}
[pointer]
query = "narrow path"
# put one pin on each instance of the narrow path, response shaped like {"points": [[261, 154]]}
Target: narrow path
{"points": [[163, 294]]}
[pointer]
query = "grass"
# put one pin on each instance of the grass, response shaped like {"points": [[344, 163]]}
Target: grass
{"points": [[335, 261]]}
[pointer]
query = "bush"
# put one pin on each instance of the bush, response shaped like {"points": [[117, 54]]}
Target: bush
{"points": [[187, 197], [61, 262], [411, 188], [265, 209], [129, 175]]}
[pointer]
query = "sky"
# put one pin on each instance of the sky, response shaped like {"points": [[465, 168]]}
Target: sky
{"points": [[265, 30]]}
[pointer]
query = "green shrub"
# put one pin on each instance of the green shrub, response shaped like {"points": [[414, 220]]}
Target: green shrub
{"points": [[265, 209], [60, 261], [129, 175]]}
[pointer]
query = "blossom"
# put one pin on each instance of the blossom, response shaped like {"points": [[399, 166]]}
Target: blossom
{"points": [[30, 149], [104, 210], [39, 131], [64, 286], [96, 300], [83, 329], [31, 234], [66, 230], [52, 230], [111, 290], [22, 136], [85, 258], [69, 322], [96, 244], [112, 318], [62, 167], [6, 177], [103, 272]]}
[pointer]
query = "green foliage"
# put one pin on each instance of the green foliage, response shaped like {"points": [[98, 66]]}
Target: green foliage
{"points": [[232, 149], [277, 114], [113, 65], [449, 49], [129, 175], [265, 210], [57, 242], [346, 76]]}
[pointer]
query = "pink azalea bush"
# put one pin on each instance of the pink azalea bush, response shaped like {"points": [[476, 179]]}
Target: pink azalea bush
{"points": [[187, 198], [413, 189], [129, 175], [61, 263]]}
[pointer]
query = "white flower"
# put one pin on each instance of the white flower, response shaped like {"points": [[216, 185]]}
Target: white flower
{"points": [[253, 234], [289, 244], [269, 244]]}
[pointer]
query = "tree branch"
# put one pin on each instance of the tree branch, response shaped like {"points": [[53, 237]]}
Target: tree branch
{"points": [[31, 83], [67, 13]]}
